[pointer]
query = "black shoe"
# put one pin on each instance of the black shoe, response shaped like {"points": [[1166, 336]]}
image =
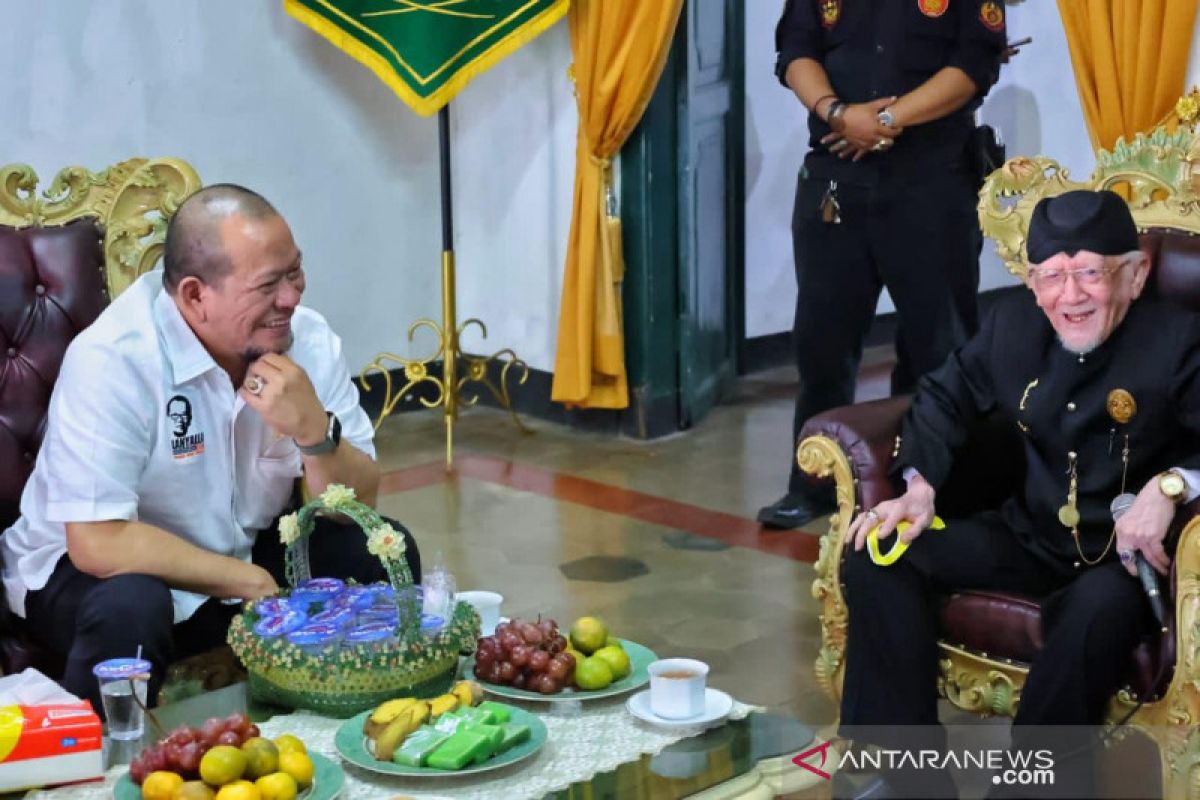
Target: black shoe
{"points": [[791, 511]]}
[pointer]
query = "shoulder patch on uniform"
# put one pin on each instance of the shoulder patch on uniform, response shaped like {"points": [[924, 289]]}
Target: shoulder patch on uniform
{"points": [[991, 15], [933, 8], [831, 12]]}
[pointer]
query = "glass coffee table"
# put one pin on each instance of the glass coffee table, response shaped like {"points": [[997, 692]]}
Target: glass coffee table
{"points": [[748, 758]]}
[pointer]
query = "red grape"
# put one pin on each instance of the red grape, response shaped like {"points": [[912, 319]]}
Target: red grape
{"points": [[172, 753], [138, 770], [558, 668], [521, 679], [180, 736], [210, 730], [508, 671], [483, 672], [509, 640], [520, 655], [493, 673], [189, 758], [237, 722], [531, 633], [501, 628], [556, 644], [538, 660], [545, 684], [253, 732], [155, 759], [487, 644], [485, 660], [549, 628], [231, 738]]}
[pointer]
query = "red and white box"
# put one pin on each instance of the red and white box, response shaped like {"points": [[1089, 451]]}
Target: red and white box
{"points": [[49, 744]]}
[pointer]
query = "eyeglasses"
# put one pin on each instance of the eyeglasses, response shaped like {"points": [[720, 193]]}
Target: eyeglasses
{"points": [[1087, 277]]}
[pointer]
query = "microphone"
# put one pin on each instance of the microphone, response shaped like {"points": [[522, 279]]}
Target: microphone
{"points": [[1146, 574]]}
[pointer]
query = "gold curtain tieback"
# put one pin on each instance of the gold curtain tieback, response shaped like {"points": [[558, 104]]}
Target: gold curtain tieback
{"points": [[600, 161]]}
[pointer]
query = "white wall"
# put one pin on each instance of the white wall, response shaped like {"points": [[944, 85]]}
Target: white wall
{"points": [[247, 94], [1035, 105]]}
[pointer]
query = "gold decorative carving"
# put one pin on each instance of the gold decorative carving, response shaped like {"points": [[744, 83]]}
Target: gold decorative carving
{"points": [[131, 200], [979, 684], [1158, 174], [820, 456]]}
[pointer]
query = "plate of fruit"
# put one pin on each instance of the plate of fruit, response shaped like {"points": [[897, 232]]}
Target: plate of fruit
{"points": [[228, 758], [533, 660], [454, 734]]}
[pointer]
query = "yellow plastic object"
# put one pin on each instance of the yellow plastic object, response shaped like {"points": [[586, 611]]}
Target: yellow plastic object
{"points": [[898, 547]]}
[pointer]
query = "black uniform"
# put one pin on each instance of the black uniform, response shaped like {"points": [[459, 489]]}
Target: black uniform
{"points": [[1092, 616], [908, 217]]}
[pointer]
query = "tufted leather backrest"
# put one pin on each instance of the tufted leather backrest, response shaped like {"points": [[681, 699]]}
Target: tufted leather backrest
{"points": [[1176, 259], [52, 286]]}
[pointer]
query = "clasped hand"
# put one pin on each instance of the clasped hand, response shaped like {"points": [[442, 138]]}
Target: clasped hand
{"points": [[859, 130], [1144, 528], [285, 398], [915, 505]]}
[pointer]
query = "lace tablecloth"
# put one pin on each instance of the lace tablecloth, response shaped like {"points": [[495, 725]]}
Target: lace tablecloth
{"points": [[583, 739]]}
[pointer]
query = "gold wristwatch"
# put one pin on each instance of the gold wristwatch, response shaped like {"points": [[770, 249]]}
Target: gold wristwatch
{"points": [[1173, 486]]}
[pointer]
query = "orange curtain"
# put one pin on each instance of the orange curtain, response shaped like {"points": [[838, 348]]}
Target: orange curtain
{"points": [[1130, 59], [620, 47]]}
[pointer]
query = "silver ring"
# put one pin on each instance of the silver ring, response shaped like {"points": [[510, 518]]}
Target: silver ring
{"points": [[838, 145], [873, 515], [1125, 555], [881, 145], [254, 384]]}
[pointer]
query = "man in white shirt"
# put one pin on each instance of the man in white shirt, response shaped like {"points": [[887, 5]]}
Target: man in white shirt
{"points": [[177, 427]]}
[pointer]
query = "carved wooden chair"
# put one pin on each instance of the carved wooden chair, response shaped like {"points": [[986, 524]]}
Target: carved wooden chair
{"points": [[63, 256], [989, 638]]}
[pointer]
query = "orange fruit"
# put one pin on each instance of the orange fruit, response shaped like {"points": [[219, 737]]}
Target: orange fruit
{"points": [[239, 790], [222, 764], [290, 743], [277, 786], [194, 790], [262, 757], [299, 766], [161, 785]]}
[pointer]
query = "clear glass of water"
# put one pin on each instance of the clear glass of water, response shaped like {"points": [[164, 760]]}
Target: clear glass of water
{"points": [[123, 683]]}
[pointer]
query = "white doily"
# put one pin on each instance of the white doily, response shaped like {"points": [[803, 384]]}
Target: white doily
{"points": [[583, 739]]}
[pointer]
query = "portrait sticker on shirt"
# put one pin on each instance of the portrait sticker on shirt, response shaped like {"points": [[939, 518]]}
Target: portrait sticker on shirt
{"points": [[992, 16], [933, 8], [187, 441], [831, 11]]}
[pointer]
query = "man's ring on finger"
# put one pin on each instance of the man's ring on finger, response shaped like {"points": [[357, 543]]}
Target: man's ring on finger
{"points": [[254, 384], [1126, 556], [881, 145], [871, 515]]}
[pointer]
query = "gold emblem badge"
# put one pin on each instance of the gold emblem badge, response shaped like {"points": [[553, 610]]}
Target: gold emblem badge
{"points": [[831, 12], [933, 8], [1120, 406], [992, 16]]}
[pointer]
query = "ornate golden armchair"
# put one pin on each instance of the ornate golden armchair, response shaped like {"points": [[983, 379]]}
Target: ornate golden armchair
{"points": [[989, 638], [63, 256]]}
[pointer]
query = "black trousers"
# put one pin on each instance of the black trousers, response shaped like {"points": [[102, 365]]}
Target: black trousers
{"points": [[1091, 620], [87, 619], [919, 237]]}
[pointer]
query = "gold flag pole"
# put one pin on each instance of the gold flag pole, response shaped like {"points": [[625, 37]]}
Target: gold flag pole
{"points": [[449, 334]]}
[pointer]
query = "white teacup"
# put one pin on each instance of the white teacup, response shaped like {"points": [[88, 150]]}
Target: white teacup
{"points": [[488, 606], [677, 687]]}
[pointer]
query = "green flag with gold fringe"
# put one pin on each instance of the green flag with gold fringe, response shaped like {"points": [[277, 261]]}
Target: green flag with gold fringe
{"points": [[427, 50]]}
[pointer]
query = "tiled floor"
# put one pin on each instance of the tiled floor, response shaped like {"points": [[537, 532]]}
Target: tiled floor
{"points": [[657, 538]]}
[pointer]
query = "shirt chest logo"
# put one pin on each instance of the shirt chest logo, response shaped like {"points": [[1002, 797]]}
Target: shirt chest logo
{"points": [[933, 8], [187, 441], [831, 12], [992, 16]]}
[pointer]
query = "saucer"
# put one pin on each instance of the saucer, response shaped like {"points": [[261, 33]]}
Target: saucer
{"points": [[717, 706]]}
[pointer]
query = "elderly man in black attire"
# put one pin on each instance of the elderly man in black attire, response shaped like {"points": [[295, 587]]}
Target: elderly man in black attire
{"points": [[1102, 379]]}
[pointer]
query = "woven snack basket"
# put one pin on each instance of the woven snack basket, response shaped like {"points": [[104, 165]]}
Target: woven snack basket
{"points": [[344, 679]]}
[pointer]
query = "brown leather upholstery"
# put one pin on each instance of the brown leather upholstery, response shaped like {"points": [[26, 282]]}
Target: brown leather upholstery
{"points": [[52, 286], [1002, 625]]}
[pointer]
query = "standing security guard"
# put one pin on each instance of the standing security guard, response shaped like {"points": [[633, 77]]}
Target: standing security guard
{"points": [[887, 193]]}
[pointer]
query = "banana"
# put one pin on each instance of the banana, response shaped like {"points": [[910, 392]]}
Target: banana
{"points": [[382, 716], [441, 704], [396, 732], [469, 693]]}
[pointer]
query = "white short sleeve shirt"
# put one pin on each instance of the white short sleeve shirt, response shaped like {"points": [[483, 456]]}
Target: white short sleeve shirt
{"points": [[144, 425]]}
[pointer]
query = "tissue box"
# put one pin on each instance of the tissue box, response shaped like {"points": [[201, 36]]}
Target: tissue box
{"points": [[46, 744]]}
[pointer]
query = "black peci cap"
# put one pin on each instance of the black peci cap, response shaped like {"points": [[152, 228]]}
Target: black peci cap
{"points": [[1081, 220]]}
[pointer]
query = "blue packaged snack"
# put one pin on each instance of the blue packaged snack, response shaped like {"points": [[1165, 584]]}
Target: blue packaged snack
{"points": [[272, 606], [432, 623], [272, 627], [333, 615], [370, 633], [315, 638], [317, 590]]}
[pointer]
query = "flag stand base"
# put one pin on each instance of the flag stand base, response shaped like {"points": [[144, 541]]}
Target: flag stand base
{"points": [[450, 384]]}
